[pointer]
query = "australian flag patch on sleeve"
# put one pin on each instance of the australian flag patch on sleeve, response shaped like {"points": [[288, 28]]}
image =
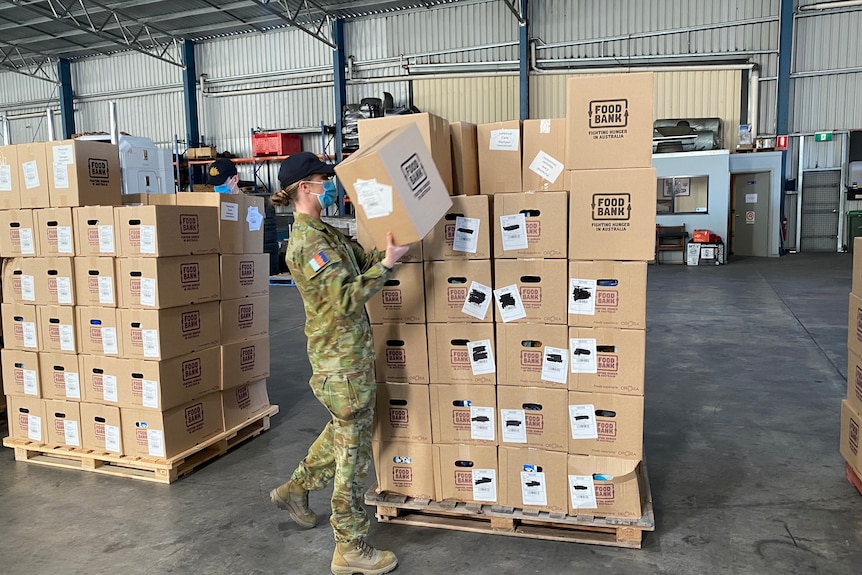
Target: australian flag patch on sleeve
{"points": [[318, 261]]}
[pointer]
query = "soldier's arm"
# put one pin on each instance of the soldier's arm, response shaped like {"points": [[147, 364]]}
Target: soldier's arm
{"points": [[337, 284], [366, 259]]}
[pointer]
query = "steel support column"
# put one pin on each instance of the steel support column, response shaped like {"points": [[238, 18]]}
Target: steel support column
{"points": [[190, 102], [524, 60], [67, 108], [785, 64], [339, 83]]}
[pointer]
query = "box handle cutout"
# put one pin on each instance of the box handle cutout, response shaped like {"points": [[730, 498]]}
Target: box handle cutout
{"points": [[17, 273], [457, 280], [93, 272], [136, 324], [605, 413], [461, 403], [531, 279], [137, 376], [530, 213], [59, 368], [607, 283], [606, 349], [92, 222], [135, 274], [463, 463], [398, 402], [23, 410], [530, 343], [98, 370], [98, 419], [134, 222], [395, 342], [453, 217], [392, 283], [18, 318], [532, 406], [459, 342], [52, 224], [59, 415], [95, 322], [19, 365], [53, 320], [14, 224], [53, 272]]}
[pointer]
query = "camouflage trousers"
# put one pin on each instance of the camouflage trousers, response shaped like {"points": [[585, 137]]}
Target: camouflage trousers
{"points": [[342, 451]]}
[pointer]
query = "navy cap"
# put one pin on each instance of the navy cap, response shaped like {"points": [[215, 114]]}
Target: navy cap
{"points": [[300, 166], [219, 171]]}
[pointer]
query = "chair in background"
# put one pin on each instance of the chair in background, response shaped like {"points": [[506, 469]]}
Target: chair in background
{"points": [[670, 239]]}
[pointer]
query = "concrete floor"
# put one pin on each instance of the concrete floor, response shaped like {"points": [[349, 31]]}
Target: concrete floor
{"points": [[746, 366]]}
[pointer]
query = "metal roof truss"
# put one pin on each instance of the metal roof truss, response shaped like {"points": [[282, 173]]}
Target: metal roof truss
{"points": [[28, 63], [309, 11]]}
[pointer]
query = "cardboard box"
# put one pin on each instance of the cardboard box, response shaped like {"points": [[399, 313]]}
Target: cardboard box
{"points": [[607, 294], [363, 236], [17, 233], [474, 235], [544, 155], [98, 331], [244, 362], [466, 473], [614, 361], [95, 281], [60, 374], [164, 435], [101, 428], [33, 170], [453, 361], [244, 275], [606, 487], [100, 379], [435, 133], [545, 225], [63, 422], [255, 213], [167, 333], [21, 373], [854, 328], [610, 121], [608, 425], [533, 416], [541, 285], [405, 468], [449, 285], [854, 378], [465, 159], [95, 231], [85, 173], [463, 414], [232, 210], [402, 353], [403, 413], [55, 281], [612, 214], [20, 327], [499, 157], [54, 232], [395, 187], [530, 355], [243, 403], [150, 199], [27, 419], [402, 299], [849, 447], [162, 231], [10, 179], [165, 384], [58, 329], [244, 319], [533, 479], [19, 280], [857, 266], [158, 283]]}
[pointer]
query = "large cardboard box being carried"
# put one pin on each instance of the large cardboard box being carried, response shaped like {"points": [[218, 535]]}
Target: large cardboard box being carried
{"points": [[463, 233], [463, 414], [606, 487], [540, 234], [167, 333], [541, 285], [606, 424], [402, 299], [54, 232], [243, 403], [405, 468], [533, 479], [464, 353], [499, 157], [465, 159], [466, 473], [17, 233], [363, 236], [607, 294], [33, 170], [101, 428], [403, 413], [401, 352], [614, 361], [609, 121], [533, 355], [157, 283], [10, 179], [27, 419], [395, 187], [459, 291], [85, 173], [533, 416], [544, 155], [162, 231]]}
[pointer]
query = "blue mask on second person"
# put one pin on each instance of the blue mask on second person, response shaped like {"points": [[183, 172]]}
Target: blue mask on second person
{"points": [[329, 195]]}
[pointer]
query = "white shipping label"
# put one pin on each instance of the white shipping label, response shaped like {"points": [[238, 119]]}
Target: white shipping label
{"points": [[514, 424], [151, 342], [505, 140], [583, 352], [6, 178], [109, 387], [582, 420], [555, 364], [64, 290], [482, 423], [546, 166], [583, 491], [148, 292], [150, 393], [25, 240], [112, 439], [61, 176], [466, 235], [509, 303], [70, 433], [31, 382], [73, 385], [106, 290], [254, 218], [155, 443], [63, 155], [106, 239], [109, 341], [30, 338], [31, 174], [513, 232], [533, 488], [148, 239], [478, 301], [230, 211], [28, 288], [582, 297], [545, 127], [67, 338], [375, 199], [481, 357], [485, 485], [65, 243], [34, 428]]}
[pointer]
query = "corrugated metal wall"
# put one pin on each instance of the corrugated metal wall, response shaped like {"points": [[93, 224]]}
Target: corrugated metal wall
{"points": [[478, 99]]}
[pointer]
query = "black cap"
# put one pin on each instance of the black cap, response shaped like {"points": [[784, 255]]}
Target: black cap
{"points": [[299, 166], [219, 171]]}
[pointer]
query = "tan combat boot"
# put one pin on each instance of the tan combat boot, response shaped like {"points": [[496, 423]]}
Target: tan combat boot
{"points": [[361, 558], [294, 499]]}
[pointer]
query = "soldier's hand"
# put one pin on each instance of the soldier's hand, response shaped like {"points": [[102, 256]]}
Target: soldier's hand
{"points": [[393, 252]]}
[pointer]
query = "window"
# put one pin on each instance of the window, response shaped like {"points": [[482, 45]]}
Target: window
{"points": [[682, 195]]}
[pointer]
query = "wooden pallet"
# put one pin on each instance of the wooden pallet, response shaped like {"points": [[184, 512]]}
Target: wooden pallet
{"points": [[498, 520], [853, 478], [146, 469]]}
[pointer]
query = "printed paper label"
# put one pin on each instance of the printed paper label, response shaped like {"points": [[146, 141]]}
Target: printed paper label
{"points": [[555, 365], [750, 198], [106, 239], [109, 387], [505, 140], [583, 491], [466, 235], [151, 342], [31, 382], [533, 489], [67, 338], [514, 424], [109, 341], [546, 166], [73, 385], [28, 288], [30, 338], [155, 443], [65, 243], [64, 290], [112, 439], [583, 355], [478, 301], [481, 357], [485, 485], [25, 240], [31, 174], [545, 127], [106, 290], [61, 176], [509, 303], [254, 218], [513, 232], [482, 423], [148, 292], [34, 428], [148, 239], [150, 393], [230, 211], [70, 433], [63, 155], [375, 199], [5, 178], [582, 419], [582, 297]]}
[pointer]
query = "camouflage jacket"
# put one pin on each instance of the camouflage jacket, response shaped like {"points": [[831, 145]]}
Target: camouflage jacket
{"points": [[335, 277]]}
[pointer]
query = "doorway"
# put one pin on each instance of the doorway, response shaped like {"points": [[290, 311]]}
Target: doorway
{"points": [[821, 203], [749, 214]]}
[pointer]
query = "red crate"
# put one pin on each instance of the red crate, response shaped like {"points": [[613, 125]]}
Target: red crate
{"points": [[275, 144]]}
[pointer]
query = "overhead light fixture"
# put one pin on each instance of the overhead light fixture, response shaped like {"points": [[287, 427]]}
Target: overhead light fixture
{"points": [[831, 5]]}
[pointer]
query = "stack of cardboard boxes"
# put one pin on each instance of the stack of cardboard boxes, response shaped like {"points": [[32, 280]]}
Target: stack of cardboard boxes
{"points": [[851, 407]]}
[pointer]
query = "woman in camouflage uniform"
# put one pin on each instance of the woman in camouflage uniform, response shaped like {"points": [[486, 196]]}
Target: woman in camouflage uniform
{"points": [[335, 278]]}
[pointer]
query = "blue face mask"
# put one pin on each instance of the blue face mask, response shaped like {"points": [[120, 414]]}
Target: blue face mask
{"points": [[223, 189], [329, 195]]}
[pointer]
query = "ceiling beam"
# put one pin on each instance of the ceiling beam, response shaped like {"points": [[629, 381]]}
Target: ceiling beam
{"points": [[23, 61], [516, 10], [224, 10], [283, 10]]}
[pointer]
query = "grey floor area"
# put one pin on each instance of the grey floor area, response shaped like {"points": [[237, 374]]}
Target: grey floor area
{"points": [[746, 370]]}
